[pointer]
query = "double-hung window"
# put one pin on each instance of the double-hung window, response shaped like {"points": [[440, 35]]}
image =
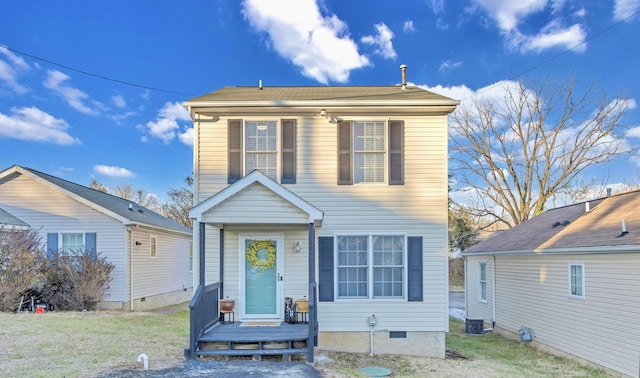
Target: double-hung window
{"points": [[265, 145], [371, 266], [72, 244], [576, 280], [482, 282], [370, 152]]}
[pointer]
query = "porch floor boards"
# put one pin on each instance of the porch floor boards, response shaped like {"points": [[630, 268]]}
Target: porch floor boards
{"points": [[235, 340]]}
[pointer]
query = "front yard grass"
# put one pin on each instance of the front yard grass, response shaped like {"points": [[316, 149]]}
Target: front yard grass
{"points": [[74, 344]]}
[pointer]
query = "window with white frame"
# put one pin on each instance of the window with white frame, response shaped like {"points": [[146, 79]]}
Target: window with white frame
{"points": [[371, 152], [72, 243], [265, 145], [482, 281], [576, 280], [371, 266], [368, 151], [261, 150], [191, 256], [153, 246]]}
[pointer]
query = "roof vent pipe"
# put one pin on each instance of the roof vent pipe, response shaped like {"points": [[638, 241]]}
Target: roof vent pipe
{"points": [[608, 192], [587, 207], [260, 85], [404, 76]]}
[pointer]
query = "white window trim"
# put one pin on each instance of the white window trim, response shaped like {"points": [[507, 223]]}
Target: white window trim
{"points": [[486, 285], [278, 145], [582, 283], [370, 235], [151, 239], [190, 256]]}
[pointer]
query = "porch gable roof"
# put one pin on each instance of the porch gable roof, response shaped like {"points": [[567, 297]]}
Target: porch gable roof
{"points": [[314, 214]]}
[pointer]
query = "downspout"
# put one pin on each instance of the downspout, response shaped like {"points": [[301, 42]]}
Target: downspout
{"points": [[466, 286], [130, 268], [493, 289]]}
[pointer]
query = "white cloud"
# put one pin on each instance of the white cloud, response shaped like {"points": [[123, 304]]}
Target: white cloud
{"points": [[408, 27], [438, 11], [119, 118], [75, 97], [382, 41], [510, 14], [119, 101], [112, 171], [458, 92], [551, 36], [633, 132], [166, 125], [11, 67], [625, 8], [448, 65], [319, 45], [187, 136], [32, 124]]}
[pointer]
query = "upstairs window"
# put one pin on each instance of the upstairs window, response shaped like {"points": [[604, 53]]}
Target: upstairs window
{"points": [[268, 146], [370, 152], [72, 244]]}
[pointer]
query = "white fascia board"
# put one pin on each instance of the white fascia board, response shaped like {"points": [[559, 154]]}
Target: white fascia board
{"points": [[561, 251], [192, 105]]}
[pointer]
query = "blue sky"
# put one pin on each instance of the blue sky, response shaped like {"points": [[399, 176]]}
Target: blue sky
{"points": [[94, 89]]}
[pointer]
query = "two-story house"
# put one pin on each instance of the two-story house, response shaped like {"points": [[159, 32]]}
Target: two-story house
{"points": [[336, 195]]}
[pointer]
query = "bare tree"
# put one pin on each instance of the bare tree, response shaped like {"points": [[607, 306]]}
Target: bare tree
{"points": [[529, 146], [98, 186], [148, 200], [181, 201]]}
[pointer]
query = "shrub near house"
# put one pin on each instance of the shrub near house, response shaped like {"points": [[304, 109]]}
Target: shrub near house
{"points": [[66, 282]]}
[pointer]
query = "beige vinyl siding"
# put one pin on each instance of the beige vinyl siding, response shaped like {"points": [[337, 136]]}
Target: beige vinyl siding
{"points": [[533, 292], [475, 308], [49, 211], [168, 271], [417, 208]]}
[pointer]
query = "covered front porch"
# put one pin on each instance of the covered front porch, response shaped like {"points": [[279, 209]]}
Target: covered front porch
{"points": [[257, 242]]}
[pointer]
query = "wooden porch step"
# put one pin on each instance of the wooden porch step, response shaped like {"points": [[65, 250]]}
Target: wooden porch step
{"points": [[248, 352]]}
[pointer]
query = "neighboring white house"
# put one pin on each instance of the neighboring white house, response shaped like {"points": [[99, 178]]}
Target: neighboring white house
{"points": [[151, 254], [569, 276], [358, 174]]}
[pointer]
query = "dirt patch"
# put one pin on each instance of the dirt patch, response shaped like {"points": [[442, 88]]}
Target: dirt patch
{"points": [[453, 355]]}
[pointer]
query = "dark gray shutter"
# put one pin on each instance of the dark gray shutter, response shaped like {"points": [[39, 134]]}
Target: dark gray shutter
{"points": [[414, 269], [52, 245], [234, 146], [345, 177], [90, 244], [396, 152], [288, 151], [325, 269]]}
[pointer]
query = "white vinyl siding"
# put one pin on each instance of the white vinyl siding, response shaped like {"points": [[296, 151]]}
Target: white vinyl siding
{"points": [[409, 209], [482, 281], [576, 280], [597, 328]]}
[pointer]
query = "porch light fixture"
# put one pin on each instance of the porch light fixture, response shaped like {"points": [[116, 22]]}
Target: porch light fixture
{"points": [[332, 119], [297, 246], [138, 242]]}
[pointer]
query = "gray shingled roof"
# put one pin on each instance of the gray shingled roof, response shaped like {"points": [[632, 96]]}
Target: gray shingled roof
{"points": [[6, 218], [599, 227], [120, 206], [326, 93]]}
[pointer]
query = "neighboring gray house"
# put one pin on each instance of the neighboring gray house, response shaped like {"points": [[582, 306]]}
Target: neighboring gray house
{"points": [[151, 254], [571, 275]]}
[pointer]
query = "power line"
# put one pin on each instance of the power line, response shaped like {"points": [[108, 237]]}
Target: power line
{"points": [[95, 75]]}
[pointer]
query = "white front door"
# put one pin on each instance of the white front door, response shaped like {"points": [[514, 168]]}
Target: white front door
{"points": [[261, 261]]}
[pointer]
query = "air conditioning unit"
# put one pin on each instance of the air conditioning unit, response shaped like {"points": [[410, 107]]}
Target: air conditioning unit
{"points": [[474, 326]]}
